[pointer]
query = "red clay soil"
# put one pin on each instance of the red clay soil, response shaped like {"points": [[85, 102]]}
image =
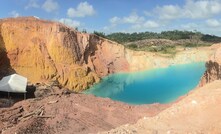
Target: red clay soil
{"points": [[71, 113]]}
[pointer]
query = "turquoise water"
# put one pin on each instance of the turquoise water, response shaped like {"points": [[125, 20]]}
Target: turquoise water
{"points": [[162, 85]]}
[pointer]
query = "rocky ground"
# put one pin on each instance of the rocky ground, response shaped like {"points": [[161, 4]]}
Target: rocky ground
{"points": [[197, 113], [60, 111]]}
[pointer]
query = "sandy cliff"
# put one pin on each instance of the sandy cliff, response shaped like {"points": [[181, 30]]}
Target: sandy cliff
{"points": [[213, 71], [43, 50], [139, 60]]}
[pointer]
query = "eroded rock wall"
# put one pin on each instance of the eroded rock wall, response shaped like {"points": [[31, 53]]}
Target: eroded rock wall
{"points": [[213, 71], [105, 57], [43, 50], [5, 67]]}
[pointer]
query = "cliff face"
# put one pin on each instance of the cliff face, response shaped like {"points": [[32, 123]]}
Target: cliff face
{"points": [[43, 51], [139, 60], [213, 66], [5, 67]]}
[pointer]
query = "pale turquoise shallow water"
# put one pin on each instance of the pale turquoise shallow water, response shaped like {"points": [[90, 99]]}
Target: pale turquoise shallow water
{"points": [[162, 85]]}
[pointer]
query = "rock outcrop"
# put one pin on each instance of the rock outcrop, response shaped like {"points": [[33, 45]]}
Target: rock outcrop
{"points": [[213, 66], [44, 50]]}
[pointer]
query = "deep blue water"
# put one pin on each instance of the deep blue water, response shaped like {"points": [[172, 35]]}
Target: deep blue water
{"points": [[162, 85]]}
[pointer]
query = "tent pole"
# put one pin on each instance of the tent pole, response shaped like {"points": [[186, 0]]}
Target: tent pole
{"points": [[8, 95], [24, 96]]}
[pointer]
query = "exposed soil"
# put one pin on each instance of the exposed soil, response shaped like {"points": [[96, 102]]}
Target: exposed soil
{"points": [[67, 113], [197, 113]]}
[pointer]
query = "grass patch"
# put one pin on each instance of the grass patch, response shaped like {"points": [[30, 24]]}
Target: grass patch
{"points": [[163, 49]]}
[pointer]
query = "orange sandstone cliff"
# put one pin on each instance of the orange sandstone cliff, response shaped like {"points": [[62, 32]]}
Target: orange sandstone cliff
{"points": [[44, 50], [213, 66]]}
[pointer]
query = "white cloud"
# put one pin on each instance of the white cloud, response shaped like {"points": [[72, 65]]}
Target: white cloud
{"points": [[169, 12], [147, 13], [32, 4], [136, 27], [194, 9], [70, 22], [213, 23], [133, 18], [190, 26], [151, 24], [106, 28], [202, 8], [137, 22], [82, 10], [50, 6], [14, 14], [191, 15], [115, 20]]}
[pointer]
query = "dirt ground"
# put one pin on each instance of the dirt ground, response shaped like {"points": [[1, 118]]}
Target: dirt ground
{"points": [[71, 113], [197, 113]]}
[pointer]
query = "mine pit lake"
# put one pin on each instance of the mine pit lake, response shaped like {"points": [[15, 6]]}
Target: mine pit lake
{"points": [[163, 85]]}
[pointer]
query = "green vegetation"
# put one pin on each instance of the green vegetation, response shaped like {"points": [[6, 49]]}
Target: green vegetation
{"points": [[132, 46], [211, 38], [185, 39], [164, 49], [127, 37], [84, 31], [101, 34], [171, 35]]}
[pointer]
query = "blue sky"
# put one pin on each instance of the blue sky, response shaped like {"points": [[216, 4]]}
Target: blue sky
{"points": [[122, 15]]}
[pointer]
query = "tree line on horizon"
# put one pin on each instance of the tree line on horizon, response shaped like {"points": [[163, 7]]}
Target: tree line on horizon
{"points": [[121, 37]]}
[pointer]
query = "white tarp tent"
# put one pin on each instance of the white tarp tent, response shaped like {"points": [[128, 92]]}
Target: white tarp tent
{"points": [[13, 83]]}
